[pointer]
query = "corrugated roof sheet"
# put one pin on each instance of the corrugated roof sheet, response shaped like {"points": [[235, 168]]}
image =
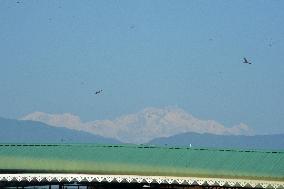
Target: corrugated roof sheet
{"points": [[141, 160]]}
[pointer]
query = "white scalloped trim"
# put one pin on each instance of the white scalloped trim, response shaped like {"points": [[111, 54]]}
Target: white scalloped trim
{"points": [[139, 179], [142, 179]]}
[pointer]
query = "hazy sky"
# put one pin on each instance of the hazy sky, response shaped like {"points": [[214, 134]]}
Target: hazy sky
{"points": [[54, 55]]}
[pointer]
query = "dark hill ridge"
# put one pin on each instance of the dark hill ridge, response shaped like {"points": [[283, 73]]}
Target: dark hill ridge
{"points": [[18, 131], [223, 141]]}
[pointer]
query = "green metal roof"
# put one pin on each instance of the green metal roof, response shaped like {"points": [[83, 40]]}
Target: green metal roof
{"points": [[141, 160]]}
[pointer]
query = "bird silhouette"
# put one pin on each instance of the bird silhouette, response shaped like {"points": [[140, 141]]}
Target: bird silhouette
{"points": [[246, 61], [98, 92]]}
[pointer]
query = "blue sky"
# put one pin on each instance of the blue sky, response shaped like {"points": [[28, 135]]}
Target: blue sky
{"points": [[55, 54]]}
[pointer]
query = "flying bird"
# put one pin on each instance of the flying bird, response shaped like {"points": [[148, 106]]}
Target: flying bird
{"points": [[246, 61], [98, 92]]}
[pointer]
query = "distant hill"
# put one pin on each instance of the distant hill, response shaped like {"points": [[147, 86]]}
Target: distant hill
{"points": [[223, 141], [15, 131]]}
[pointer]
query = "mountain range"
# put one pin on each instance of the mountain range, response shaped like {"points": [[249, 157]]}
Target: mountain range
{"points": [[24, 131], [142, 126]]}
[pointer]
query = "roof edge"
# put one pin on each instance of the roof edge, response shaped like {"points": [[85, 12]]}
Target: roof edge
{"points": [[42, 177]]}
